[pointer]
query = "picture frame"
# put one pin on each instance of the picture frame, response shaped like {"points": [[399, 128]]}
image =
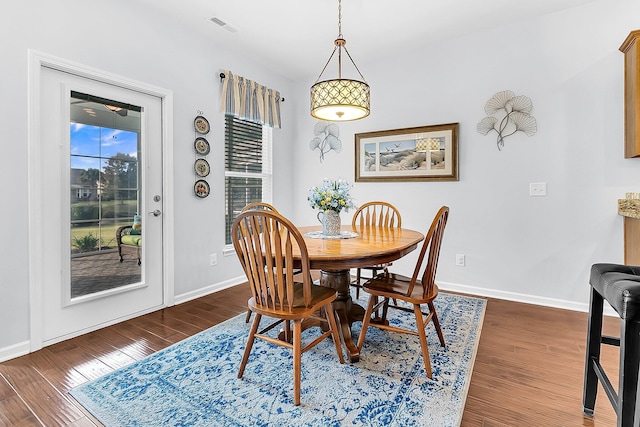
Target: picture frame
{"points": [[401, 154]]}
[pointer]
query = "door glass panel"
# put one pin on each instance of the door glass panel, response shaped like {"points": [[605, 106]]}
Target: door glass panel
{"points": [[104, 194]]}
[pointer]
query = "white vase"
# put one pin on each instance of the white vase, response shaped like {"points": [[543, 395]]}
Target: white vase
{"points": [[330, 221]]}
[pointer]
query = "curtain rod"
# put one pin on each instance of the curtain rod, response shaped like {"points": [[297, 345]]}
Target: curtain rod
{"points": [[223, 76]]}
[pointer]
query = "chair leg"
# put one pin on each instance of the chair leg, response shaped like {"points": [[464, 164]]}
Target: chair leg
{"points": [[422, 333], [365, 322], [385, 310], [248, 317], [330, 315], [250, 340], [287, 330], [395, 301], [358, 276], [374, 272], [297, 360], [436, 322], [628, 378], [594, 335]]}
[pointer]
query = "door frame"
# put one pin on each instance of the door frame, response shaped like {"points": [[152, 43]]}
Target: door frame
{"points": [[37, 61]]}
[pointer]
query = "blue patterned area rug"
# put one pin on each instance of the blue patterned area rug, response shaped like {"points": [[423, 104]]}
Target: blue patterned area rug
{"points": [[194, 382]]}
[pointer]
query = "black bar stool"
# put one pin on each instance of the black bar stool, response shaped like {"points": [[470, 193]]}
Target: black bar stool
{"points": [[620, 286]]}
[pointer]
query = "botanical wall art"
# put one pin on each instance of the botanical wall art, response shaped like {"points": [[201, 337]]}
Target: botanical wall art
{"points": [[426, 153], [508, 114], [326, 138]]}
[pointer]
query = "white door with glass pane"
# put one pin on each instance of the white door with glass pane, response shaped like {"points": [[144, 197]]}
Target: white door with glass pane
{"points": [[100, 160]]}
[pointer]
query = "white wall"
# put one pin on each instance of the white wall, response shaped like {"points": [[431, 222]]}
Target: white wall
{"points": [[125, 38], [536, 249]]}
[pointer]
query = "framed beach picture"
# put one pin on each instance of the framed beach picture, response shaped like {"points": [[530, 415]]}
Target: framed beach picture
{"points": [[425, 153]]}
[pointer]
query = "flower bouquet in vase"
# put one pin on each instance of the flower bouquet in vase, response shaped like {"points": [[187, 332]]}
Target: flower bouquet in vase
{"points": [[330, 198]]}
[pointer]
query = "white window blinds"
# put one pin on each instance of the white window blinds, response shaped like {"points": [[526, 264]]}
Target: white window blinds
{"points": [[248, 167]]}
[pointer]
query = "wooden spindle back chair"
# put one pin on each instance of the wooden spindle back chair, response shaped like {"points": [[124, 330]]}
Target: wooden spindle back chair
{"points": [[268, 246], [413, 290], [252, 206], [259, 205], [377, 214], [374, 214]]}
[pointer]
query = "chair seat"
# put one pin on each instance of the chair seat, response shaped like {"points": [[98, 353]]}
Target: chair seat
{"points": [[130, 239], [620, 286], [377, 266], [396, 286], [320, 295]]}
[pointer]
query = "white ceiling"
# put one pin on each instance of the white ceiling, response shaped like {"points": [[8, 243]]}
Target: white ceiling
{"points": [[295, 37]]}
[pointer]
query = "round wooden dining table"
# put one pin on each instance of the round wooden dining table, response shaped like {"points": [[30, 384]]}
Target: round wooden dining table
{"points": [[335, 257]]}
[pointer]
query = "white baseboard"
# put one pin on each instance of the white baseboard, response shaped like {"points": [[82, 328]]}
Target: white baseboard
{"points": [[23, 348], [20, 349], [524, 298], [179, 299], [13, 351]]}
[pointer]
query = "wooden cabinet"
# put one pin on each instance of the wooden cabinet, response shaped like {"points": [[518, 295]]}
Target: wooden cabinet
{"points": [[629, 208], [631, 50], [631, 246]]}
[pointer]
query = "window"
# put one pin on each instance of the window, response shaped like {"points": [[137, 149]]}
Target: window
{"points": [[104, 137], [248, 171]]}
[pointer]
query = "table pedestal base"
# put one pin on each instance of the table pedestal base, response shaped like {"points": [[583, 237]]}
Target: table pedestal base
{"points": [[346, 310]]}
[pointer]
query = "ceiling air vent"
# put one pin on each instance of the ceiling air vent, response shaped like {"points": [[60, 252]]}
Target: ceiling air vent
{"points": [[223, 24]]}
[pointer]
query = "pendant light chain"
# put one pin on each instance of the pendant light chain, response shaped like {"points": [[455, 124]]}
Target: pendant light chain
{"points": [[339, 19], [340, 42]]}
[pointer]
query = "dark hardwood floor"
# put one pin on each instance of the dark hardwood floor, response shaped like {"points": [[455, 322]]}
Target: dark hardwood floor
{"points": [[528, 369]]}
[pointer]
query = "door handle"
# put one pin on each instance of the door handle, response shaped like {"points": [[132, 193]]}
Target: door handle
{"points": [[155, 213]]}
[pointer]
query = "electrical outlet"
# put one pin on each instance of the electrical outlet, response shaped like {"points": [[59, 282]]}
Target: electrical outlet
{"points": [[460, 260], [213, 259], [538, 189]]}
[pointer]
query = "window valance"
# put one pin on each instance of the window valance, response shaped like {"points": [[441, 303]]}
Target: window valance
{"points": [[249, 100]]}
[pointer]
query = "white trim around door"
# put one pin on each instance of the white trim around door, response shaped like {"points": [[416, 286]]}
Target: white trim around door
{"points": [[38, 60]]}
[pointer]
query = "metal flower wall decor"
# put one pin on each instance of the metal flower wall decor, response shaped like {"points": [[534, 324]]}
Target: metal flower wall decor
{"points": [[508, 114], [326, 138]]}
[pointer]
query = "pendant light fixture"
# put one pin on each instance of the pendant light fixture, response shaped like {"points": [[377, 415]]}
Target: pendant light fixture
{"points": [[340, 100]]}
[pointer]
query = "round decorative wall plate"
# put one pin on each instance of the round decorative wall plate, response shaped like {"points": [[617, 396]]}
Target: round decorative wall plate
{"points": [[202, 167], [201, 124], [201, 188], [202, 146]]}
